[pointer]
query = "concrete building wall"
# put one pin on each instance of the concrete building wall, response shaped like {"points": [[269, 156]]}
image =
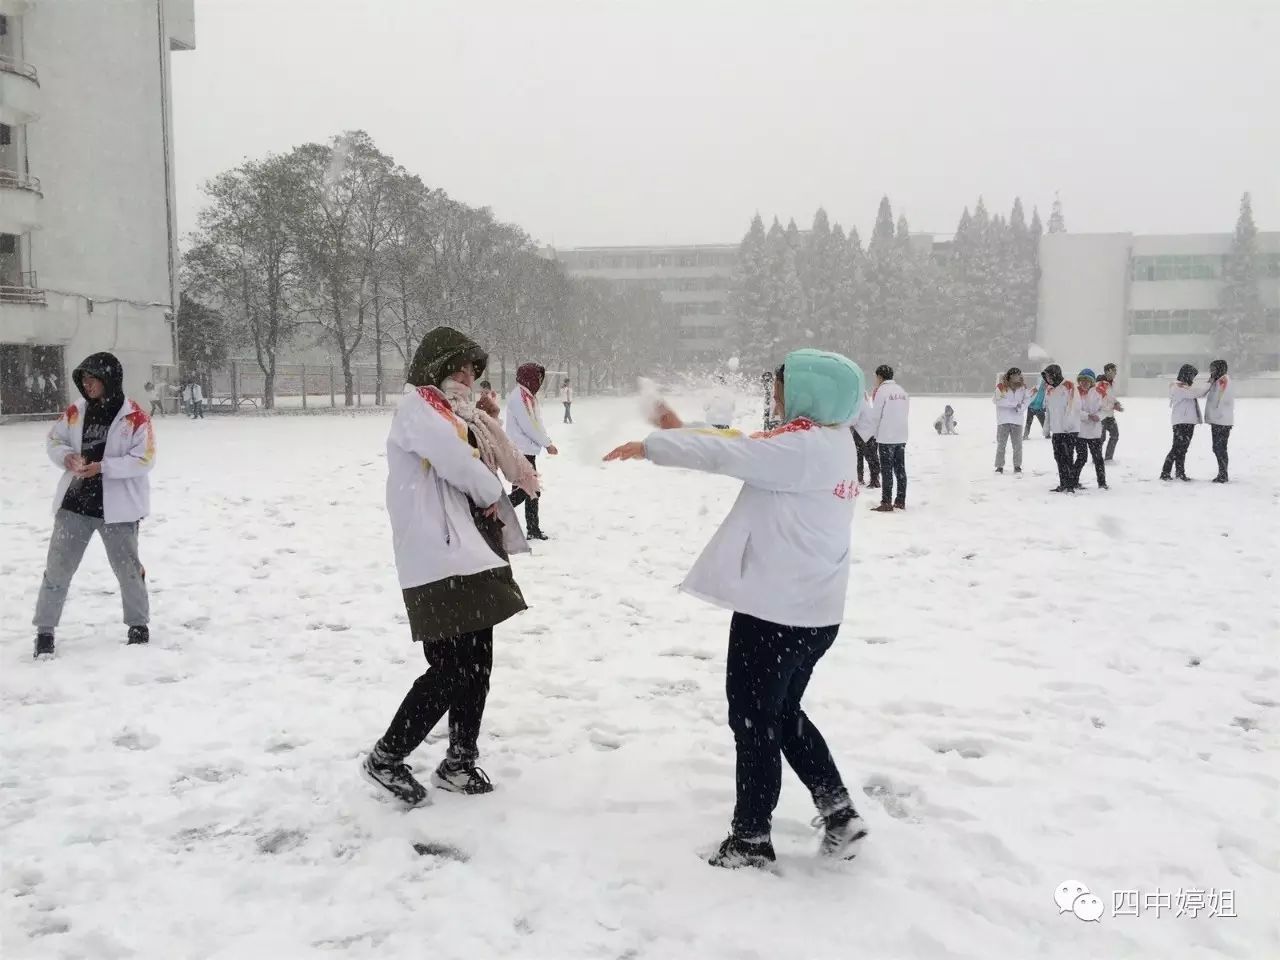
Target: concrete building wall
{"points": [[104, 248], [1083, 293]]}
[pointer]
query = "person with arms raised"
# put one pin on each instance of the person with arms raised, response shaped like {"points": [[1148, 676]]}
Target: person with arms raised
{"points": [[780, 562]]}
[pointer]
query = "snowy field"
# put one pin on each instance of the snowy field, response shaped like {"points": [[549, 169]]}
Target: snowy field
{"points": [[1028, 689]]}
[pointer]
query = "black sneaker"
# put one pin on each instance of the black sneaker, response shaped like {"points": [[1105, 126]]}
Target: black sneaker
{"points": [[999, 469], [1165, 476], [842, 829], [1017, 470], [470, 780], [536, 535], [139, 635], [1220, 479], [394, 776], [736, 853], [44, 645], [1183, 477], [1103, 486], [1059, 489]]}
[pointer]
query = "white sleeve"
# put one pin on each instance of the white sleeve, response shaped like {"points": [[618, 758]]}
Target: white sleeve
{"points": [[425, 433], [877, 413], [58, 444], [1008, 400], [771, 463], [527, 421], [140, 457]]}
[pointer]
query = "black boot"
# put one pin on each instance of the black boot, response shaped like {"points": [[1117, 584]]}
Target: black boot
{"points": [[139, 635], [842, 829], [394, 776], [736, 852], [44, 645], [461, 778], [1220, 478]]}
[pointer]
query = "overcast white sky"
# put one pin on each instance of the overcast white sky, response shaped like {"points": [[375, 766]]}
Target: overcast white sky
{"points": [[672, 121]]}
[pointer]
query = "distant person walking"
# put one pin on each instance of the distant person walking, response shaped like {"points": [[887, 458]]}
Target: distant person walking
{"points": [[1184, 414], [1010, 398], [1110, 407], [891, 408], [1035, 410], [155, 395], [524, 427], [566, 397], [106, 447], [1219, 413]]}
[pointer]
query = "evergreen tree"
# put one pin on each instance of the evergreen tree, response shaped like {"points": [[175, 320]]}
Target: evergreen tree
{"points": [[1037, 228], [851, 297], [1241, 330], [1057, 223], [820, 277], [889, 294], [784, 295], [748, 297], [883, 230]]}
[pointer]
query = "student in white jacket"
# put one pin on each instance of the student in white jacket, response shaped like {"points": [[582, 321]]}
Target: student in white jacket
{"points": [[1011, 398], [566, 397], [1062, 410], [891, 408], [105, 445], [445, 503], [1219, 413], [780, 561], [1184, 414], [524, 426], [1091, 391], [864, 438], [1110, 407]]}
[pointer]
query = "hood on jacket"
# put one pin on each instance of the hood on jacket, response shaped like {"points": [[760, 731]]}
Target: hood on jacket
{"points": [[1187, 373], [1217, 369], [530, 376], [1052, 374], [104, 367], [824, 387], [442, 352]]}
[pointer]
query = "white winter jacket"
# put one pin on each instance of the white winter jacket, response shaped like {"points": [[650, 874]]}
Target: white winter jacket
{"points": [[1062, 408], [1010, 405], [1220, 402], [524, 422], [782, 553], [566, 394], [431, 472], [1090, 406], [865, 422], [1184, 403], [891, 407], [128, 458]]}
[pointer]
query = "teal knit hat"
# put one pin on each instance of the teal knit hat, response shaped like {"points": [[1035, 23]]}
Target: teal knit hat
{"points": [[825, 387]]}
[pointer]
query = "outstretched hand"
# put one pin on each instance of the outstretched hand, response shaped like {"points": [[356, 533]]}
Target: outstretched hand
{"points": [[664, 418], [628, 451]]}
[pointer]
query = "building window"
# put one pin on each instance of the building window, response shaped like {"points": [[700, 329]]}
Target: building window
{"points": [[1166, 322], [1198, 267], [6, 135]]}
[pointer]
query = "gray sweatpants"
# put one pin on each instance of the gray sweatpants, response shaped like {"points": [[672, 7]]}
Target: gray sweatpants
{"points": [[71, 535], [1004, 433]]}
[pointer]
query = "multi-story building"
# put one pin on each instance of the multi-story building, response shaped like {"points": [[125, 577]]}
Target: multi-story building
{"points": [[1148, 304], [88, 250], [692, 280]]}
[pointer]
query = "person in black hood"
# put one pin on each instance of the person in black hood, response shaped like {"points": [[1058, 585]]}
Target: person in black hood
{"points": [[106, 445]]}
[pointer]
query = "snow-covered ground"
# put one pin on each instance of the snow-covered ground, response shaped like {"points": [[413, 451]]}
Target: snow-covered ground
{"points": [[1028, 689]]}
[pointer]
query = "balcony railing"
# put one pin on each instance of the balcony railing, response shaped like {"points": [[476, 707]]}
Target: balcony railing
{"points": [[27, 291], [13, 180], [10, 65]]}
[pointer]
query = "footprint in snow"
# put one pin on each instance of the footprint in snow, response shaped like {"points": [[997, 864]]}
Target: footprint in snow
{"points": [[969, 749], [281, 841], [135, 740]]}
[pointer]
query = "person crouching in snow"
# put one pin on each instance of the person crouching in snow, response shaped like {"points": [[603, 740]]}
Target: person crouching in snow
{"points": [[106, 447], [1010, 397], [780, 562], [524, 426], [1062, 409], [1089, 440], [1184, 414], [945, 425], [453, 528], [1219, 413]]}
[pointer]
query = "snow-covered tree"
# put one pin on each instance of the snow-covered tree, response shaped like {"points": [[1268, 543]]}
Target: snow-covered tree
{"points": [[1057, 222], [1241, 331], [749, 297]]}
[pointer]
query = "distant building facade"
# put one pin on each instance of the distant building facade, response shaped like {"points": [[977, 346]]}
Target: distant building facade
{"points": [[88, 250], [1148, 304], [692, 280]]}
